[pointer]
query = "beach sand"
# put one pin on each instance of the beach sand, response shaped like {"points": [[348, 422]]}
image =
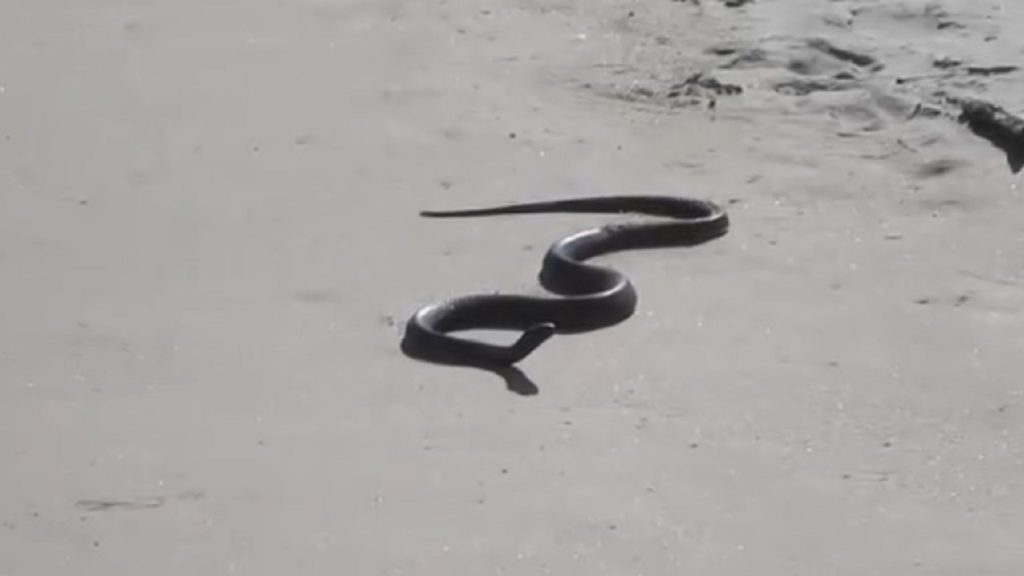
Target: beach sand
{"points": [[210, 242]]}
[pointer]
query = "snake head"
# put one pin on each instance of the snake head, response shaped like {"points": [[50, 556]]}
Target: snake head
{"points": [[531, 339]]}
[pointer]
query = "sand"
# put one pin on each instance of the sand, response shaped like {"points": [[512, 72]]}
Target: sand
{"points": [[209, 245]]}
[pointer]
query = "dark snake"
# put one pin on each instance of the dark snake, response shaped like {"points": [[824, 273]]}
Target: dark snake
{"points": [[593, 297]]}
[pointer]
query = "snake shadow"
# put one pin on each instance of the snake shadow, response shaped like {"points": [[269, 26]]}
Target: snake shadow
{"points": [[516, 381]]}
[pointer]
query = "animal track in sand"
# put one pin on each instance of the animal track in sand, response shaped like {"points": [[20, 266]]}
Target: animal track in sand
{"points": [[938, 167]]}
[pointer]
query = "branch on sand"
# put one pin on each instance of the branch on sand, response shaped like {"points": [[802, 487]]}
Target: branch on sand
{"points": [[1002, 129]]}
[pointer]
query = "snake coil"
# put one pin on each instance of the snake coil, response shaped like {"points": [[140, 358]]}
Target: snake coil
{"points": [[592, 297]]}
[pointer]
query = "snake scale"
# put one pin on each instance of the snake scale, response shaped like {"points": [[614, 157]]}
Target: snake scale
{"points": [[591, 297]]}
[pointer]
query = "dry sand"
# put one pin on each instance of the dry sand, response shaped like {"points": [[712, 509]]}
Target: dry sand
{"points": [[209, 243]]}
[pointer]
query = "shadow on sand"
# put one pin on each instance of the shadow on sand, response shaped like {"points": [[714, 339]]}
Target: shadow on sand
{"points": [[515, 379]]}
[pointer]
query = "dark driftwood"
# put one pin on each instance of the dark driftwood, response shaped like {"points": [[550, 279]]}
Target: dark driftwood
{"points": [[1002, 129]]}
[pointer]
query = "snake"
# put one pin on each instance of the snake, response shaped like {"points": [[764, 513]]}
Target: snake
{"points": [[588, 296]]}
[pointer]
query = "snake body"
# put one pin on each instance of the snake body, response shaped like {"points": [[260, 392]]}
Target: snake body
{"points": [[592, 297]]}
